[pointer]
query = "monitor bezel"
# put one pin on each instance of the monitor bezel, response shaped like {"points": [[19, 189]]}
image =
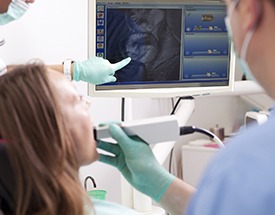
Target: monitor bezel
{"points": [[157, 92]]}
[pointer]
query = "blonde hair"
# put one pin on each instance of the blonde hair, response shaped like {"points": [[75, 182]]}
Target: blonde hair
{"points": [[39, 145]]}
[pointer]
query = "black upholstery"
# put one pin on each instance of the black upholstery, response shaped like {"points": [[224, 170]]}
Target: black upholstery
{"points": [[7, 182]]}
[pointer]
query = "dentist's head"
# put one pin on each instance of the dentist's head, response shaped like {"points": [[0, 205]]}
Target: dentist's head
{"points": [[11, 10], [250, 25]]}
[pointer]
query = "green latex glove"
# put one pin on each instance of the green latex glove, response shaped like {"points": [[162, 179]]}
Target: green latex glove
{"points": [[97, 70], [136, 162]]}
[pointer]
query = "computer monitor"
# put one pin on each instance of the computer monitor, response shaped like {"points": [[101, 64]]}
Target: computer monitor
{"points": [[178, 48]]}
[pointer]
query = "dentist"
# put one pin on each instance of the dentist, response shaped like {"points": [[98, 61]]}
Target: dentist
{"points": [[240, 179], [94, 70]]}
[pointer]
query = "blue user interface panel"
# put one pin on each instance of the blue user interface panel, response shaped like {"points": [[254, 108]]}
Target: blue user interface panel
{"points": [[171, 45]]}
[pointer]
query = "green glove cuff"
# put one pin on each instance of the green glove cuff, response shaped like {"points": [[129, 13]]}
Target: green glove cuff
{"points": [[158, 196], [76, 71]]}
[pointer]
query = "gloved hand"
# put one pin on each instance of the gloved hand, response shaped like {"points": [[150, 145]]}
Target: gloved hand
{"points": [[97, 70], [136, 162]]}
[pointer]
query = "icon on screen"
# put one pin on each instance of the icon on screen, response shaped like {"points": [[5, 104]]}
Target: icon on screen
{"points": [[100, 38], [100, 45], [100, 8], [100, 15], [100, 31], [100, 22], [100, 54]]}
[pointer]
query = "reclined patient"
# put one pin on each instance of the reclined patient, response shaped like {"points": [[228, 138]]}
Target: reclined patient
{"points": [[46, 135]]}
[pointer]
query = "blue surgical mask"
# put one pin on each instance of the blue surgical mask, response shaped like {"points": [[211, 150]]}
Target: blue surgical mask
{"points": [[241, 58], [17, 8]]}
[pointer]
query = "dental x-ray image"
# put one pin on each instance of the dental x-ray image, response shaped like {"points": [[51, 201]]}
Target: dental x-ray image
{"points": [[151, 37]]}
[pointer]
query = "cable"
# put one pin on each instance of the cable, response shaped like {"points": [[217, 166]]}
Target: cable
{"points": [[2, 41], [170, 160], [122, 109], [178, 102], [191, 129]]}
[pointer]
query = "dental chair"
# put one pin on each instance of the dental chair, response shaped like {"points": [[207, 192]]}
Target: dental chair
{"points": [[7, 183]]}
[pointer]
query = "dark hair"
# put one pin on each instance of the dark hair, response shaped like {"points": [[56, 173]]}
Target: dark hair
{"points": [[39, 144]]}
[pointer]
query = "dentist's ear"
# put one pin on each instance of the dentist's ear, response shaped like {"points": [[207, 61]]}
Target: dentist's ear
{"points": [[255, 14]]}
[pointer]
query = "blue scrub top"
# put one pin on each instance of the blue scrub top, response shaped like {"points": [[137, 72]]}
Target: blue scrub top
{"points": [[240, 180]]}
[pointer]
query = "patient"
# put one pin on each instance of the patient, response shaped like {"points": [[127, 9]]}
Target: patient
{"points": [[46, 135]]}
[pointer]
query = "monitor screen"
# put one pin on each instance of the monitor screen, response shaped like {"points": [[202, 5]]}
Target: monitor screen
{"points": [[177, 48]]}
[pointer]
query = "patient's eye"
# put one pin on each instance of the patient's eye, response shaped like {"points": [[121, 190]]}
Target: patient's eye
{"points": [[85, 100], [80, 98]]}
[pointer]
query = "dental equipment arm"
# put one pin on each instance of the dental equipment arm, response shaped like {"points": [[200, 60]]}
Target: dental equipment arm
{"points": [[155, 130], [150, 130]]}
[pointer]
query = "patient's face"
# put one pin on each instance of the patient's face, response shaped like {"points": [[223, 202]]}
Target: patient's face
{"points": [[4, 4], [76, 113]]}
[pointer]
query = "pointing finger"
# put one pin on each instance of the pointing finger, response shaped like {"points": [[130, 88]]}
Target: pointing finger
{"points": [[121, 64]]}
